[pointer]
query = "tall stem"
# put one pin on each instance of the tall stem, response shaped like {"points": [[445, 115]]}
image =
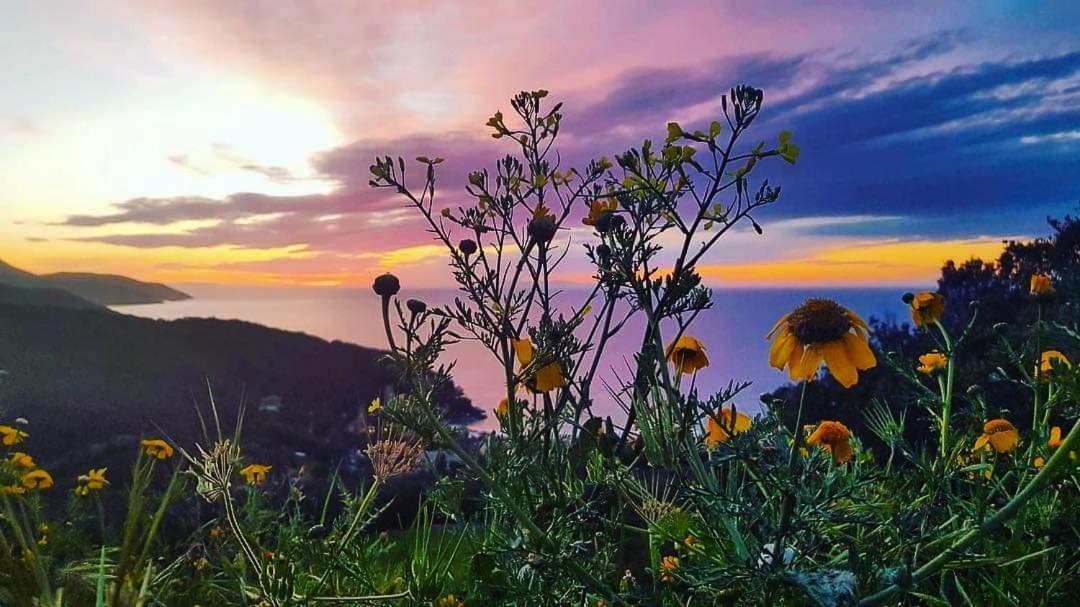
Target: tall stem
{"points": [[1037, 384], [787, 509], [947, 395]]}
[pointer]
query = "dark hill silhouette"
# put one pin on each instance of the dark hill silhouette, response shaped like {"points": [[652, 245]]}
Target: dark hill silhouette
{"points": [[92, 381], [103, 289]]}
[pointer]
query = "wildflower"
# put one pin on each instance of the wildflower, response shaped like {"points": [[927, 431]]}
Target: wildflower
{"points": [[687, 354], [1041, 287], [450, 601], [721, 430], [386, 285], [155, 447], [376, 404], [668, 566], [467, 247], [12, 490], [1055, 437], [1049, 360], [416, 306], [542, 227], [94, 480], [37, 479], [390, 458], [1039, 462], [22, 460], [836, 437], [12, 436], [998, 434], [689, 541], [931, 362], [599, 208], [926, 307], [821, 330], [255, 474], [547, 378], [217, 532], [503, 408]]}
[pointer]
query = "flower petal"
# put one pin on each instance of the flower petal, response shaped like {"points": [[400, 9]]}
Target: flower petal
{"points": [[836, 358], [859, 352]]}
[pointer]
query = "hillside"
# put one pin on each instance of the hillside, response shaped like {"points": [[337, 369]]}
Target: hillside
{"points": [[92, 381], [103, 289]]}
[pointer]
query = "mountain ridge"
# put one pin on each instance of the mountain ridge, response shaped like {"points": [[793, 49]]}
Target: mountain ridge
{"points": [[100, 289]]}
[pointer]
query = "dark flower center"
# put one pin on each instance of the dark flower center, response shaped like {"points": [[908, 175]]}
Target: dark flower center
{"points": [[819, 321]]}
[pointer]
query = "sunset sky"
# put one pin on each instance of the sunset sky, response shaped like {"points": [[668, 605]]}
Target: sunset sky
{"points": [[230, 141]]}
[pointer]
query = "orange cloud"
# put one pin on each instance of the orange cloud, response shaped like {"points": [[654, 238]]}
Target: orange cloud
{"points": [[881, 263]]}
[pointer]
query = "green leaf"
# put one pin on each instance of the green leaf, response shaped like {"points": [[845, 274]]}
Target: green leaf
{"points": [[674, 131]]}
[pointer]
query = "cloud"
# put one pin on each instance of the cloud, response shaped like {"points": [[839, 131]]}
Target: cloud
{"points": [[896, 144]]}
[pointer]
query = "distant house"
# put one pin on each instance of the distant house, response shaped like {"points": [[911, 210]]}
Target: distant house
{"points": [[270, 404]]}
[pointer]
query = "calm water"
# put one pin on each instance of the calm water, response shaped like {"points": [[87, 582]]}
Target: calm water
{"points": [[733, 330]]}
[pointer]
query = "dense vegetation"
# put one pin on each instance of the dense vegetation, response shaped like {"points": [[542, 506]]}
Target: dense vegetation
{"points": [[970, 498]]}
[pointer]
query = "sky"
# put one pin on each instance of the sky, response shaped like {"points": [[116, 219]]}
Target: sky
{"points": [[229, 142]]}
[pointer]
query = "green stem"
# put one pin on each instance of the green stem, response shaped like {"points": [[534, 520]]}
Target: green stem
{"points": [[1037, 384], [787, 508], [1058, 461], [947, 394]]}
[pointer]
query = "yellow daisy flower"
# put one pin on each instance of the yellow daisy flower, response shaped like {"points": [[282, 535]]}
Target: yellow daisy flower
{"points": [[999, 435], [687, 354], [821, 330]]}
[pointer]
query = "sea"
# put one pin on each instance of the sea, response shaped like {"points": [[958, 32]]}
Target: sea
{"points": [[733, 330]]}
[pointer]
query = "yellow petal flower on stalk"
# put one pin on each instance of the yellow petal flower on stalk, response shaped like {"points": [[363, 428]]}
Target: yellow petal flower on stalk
{"points": [[668, 566], [931, 362], [546, 378], [255, 474], [598, 208], [927, 308], [1039, 462], [37, 479], [687, 354], [157, 448], [376, 404], [22, 460], [836, 437], [1055, 438], [503, 409], [94, 480], [12, 490], [721, 430], [1041, 286], [821, 331], [12, 435], [998, 435], [1049, 359]]}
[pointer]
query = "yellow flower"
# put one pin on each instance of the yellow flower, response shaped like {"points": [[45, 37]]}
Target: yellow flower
{"points": [[12, 435], [255, 474], [1055, 437], [217, 532], [12, 490], [155, 447], [94, 480], [1039, 462], [834, 436], [598, 208], [502, 409], [687, 354], [23, 460], [450, 601], [720, 431], [821, 330], [927, 308], [668, 566], [1051, 358], [932, 361], [376, 404], [1041, 285], [547, 378], [999, 434], [37, 479]]}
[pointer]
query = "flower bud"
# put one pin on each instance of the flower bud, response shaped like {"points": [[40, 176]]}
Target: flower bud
{"points": [[467, 247], [908, 298], [416, 306], [386, 285], [608, 222], [542, 228]]}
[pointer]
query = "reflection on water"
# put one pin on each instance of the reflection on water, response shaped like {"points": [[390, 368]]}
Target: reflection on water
{"points": [[733, 330]]}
